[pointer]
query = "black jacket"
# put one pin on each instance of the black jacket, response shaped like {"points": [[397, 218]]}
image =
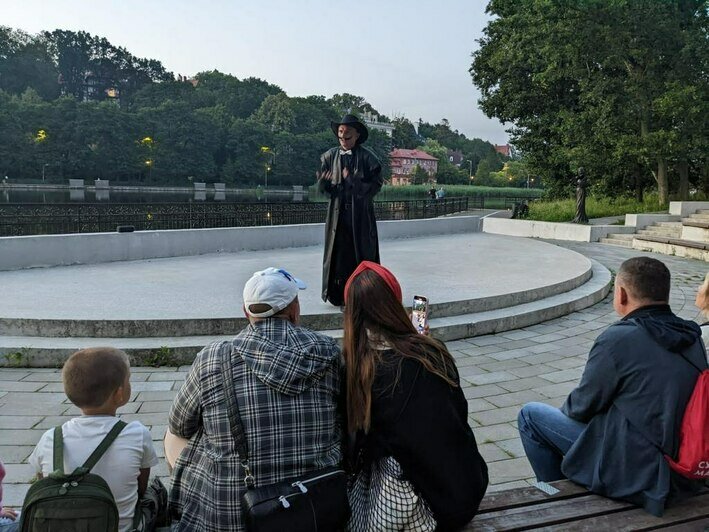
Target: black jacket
{"points": [[422, 422], [365, 181], [633, 394]]}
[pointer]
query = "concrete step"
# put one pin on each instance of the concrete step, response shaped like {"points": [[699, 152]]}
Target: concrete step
{"points": [[698, 217], [617, 242], [668, 224], [36, 351], [669, 232]]}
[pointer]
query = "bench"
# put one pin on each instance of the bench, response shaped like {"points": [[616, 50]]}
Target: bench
{"points": [[574, 508]]}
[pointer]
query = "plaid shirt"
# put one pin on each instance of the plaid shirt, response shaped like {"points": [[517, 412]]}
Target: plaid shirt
{"points": [[287, 382]]}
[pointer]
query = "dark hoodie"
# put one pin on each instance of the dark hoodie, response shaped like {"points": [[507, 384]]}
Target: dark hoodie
{"points": [[633, 394]]}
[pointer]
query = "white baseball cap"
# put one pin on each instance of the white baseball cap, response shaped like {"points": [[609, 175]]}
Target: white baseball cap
{"points": [[274, 287]]}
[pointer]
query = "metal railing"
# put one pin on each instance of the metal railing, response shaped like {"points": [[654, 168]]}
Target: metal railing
{"points": [[60, 218]]}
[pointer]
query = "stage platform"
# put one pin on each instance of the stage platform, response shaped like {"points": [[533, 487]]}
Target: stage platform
{"points": [[477, 284]]}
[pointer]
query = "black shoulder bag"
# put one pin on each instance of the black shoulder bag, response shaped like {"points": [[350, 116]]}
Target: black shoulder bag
{"points": [[312, 501]]}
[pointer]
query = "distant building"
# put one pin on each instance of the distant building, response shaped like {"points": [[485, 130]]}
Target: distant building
{"points": [[455, 157], [371, 120], [504, 149], [403, 163]]}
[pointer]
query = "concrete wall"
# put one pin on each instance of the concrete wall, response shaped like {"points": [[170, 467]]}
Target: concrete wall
{"points": [[698, 234], [553, 230], [641, 221], [58, 250], [685, 208]]}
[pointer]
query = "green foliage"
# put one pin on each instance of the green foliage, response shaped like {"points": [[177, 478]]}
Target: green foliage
{"points": [[419, 176], [619, 88], [164, 356], [596, 207]]}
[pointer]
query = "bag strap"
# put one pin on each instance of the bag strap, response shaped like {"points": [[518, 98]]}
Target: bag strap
{"points": [[103, 446], [58, 450], [235, 423]]}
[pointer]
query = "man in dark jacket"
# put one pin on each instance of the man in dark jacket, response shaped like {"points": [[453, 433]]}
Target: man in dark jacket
{"points": [[350, 175], [614, 428]]}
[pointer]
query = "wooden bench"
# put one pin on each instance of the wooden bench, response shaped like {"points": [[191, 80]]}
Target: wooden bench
{"points": [[573, 508]]}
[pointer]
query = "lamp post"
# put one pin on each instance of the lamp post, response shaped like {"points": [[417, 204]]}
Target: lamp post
{"points": [[266, 150], [44, 166], [470, 164]]}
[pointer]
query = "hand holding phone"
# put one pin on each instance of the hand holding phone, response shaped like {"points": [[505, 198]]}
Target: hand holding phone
{"points": [[419, 313]]}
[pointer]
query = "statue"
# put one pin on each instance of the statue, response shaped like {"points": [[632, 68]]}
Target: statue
{"points": [[581, 184]]}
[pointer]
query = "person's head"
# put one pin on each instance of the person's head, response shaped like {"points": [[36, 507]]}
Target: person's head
{"points": [[374, 315], [272, 293], [641, 281], [97, 380], [350, 132], [702, 299]]}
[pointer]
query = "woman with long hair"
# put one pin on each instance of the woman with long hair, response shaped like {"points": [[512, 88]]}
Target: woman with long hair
{"points": [[414, 458]]}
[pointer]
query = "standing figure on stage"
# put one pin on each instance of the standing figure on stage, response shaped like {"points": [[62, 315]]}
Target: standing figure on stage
{"points": [[350, 175]]}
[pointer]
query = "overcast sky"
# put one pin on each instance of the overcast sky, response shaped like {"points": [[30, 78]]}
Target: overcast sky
{"points": [[406, 57]]}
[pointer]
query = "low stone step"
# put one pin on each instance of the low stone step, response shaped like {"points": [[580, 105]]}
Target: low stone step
{"points": [[621, 236], [698, 217], [617, 242], [35, 351], [668, 224], [668, 232]]}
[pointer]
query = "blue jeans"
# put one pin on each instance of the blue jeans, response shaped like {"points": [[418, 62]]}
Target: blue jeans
{"points": [[547, 435]]}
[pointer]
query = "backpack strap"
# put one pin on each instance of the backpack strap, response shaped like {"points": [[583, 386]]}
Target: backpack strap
{"points": [[102, 448], [58, 455]]}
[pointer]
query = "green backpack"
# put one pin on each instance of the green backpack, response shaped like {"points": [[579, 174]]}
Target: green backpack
{"points": [[78, 501]]}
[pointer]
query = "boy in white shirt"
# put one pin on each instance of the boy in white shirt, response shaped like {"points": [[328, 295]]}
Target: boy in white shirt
{"points": [[97, 380]]}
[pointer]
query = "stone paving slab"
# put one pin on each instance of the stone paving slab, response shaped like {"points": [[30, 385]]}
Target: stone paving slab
{"points": [[499, 374]]}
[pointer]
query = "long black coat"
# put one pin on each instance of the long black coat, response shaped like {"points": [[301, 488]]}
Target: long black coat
{"points": [[366, 182], [632, 394]]}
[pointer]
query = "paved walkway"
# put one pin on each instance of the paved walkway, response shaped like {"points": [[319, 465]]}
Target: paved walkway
{"points": [[499, 374]]}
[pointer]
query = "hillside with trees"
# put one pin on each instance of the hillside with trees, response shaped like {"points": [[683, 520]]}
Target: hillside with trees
{"points": [[73, 105]]}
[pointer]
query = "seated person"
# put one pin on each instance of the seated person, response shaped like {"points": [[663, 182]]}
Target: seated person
{"points": [[287, 384], [97, 380], [614, 428]]}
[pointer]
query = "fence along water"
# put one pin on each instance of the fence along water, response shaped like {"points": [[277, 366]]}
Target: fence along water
{"points": [[58, 218]]}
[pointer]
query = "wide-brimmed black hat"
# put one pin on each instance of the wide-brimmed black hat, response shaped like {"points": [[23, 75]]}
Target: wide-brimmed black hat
{"points": [[352, 121]]}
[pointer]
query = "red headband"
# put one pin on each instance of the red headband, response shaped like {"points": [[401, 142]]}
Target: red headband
{"points": [[381, 271]]}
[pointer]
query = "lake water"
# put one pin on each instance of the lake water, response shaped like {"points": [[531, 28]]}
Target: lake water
{"points": [[8, 195]]}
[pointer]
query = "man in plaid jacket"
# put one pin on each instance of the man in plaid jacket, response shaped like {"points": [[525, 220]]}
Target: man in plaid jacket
{"points": [[287, 386]]}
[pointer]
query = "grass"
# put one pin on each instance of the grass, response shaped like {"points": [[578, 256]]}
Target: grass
{"points": [[596, 207]]}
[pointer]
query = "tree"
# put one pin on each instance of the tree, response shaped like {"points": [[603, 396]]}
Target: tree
{"points": [[419, 176], [586, 81]]}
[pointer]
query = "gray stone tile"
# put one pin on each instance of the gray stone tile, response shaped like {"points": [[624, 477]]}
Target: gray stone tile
{"points": [[18, 422], [526, 383], [534, 370], [487, 390], [506, 365], [556, 390], [19, 473], [9, 374], [496, 416], [14, 454], [21, 386], [43, 377], [513, 447], [478, 405], [167, 376], [509, 470], [13, 495], [158, 386], [564, 375], [516, 399], [489, 339], [494, 433], [492, 453], [20, 436], [148, 407], [489, 378], [156, 396]]}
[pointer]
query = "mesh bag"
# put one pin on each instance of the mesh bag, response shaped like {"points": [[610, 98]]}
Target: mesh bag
{"points": [[381, 499]]}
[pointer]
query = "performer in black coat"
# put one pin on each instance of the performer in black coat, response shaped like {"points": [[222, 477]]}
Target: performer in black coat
{"points": [[351, 176]]}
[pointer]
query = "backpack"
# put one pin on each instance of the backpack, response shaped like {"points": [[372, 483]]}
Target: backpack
{"points": [[77, 501], [693, 456]]}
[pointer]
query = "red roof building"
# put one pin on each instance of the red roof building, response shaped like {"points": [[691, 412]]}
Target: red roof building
{"points": [[403, 163], [504, 149]]}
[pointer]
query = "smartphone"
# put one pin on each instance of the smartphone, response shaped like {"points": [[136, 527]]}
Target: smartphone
{"points": [[419, 313]]}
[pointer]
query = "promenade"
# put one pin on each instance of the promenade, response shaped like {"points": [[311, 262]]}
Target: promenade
{"points": [[499, 373]]}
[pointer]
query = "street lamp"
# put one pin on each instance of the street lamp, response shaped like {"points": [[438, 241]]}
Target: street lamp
{"points": [[44, 166]]}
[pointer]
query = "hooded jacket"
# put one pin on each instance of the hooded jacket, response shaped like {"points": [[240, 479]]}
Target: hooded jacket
{"points": [[633, 393], [287, 383]]}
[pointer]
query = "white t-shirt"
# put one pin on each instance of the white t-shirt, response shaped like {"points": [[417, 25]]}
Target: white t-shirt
{"points": [[120, 466]]}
